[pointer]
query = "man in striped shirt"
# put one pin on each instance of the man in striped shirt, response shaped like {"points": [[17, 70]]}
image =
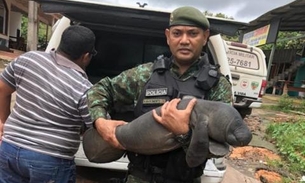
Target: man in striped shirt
{"points": [[40, 137]]}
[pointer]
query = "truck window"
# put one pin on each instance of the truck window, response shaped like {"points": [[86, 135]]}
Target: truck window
{"points": [[119, 52]]}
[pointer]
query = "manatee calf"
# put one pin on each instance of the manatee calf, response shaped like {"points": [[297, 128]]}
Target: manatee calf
{"points": [[213, 124]]}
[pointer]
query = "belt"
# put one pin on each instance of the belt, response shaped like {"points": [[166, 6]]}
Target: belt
{"points": [[154, 177]]}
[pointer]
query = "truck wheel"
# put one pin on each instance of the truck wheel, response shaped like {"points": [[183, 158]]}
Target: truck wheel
{"points": [[244, 112]]}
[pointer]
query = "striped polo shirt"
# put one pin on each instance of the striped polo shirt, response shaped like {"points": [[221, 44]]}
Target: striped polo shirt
{"points": [[51, 103]]}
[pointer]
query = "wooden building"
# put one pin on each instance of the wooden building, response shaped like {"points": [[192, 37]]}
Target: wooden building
{"points": [[11, 12]]}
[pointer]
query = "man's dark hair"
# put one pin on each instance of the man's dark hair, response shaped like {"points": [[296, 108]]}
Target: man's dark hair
{"points": [[77, 40]]}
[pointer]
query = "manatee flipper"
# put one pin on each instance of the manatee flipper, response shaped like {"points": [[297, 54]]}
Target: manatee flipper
{"points": [[218, 149], [198, 150]]}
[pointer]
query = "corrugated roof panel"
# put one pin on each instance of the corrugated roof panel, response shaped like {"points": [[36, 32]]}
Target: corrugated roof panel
{"points": [[292, 17]]}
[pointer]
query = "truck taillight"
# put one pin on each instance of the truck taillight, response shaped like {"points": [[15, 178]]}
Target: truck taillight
{"points": [[263, 88]]}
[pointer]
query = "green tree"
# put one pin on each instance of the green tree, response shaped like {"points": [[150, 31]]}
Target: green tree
{"points": [[288, 40], [221, 15], [207, 13], [230, 38], [24, 27], [42, 37]]}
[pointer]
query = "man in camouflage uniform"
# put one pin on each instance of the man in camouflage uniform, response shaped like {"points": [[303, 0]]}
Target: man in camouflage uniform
{"points": [[144, 87]]}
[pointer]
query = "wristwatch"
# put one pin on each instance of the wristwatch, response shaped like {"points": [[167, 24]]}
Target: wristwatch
{"points": [[184, 138]]}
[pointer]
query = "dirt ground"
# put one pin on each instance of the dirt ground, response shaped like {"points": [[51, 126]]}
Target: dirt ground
{"points": [[3, 63], [252, 160]]}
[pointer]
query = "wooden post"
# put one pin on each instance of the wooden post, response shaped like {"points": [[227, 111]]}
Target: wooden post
{"points": [[273, 90], [270, 61], [47, 33], [32, 39], [285, 89]]}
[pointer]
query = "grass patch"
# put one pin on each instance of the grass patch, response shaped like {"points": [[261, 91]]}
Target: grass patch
{"points": [[289, 139], [287, 104]]}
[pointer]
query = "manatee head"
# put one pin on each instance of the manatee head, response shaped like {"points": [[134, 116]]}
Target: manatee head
{"points": [[238, 133], [227, 126]]}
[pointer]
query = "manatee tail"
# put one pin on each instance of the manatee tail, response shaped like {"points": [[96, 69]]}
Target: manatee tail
{"points": [[198, 149], [97, 150]]}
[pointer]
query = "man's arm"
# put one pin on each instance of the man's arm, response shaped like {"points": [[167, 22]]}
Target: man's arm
{"points": [[84, 111], [222, 91], [106, 129], [5, 103], [124, 89]]}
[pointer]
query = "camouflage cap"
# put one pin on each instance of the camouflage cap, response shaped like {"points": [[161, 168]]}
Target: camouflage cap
{"points": [[188, 16]]}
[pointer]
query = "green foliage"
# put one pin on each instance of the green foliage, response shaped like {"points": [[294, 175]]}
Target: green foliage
{"points": [[288, 104], [289, 139], [42, 29], [42, 37], [219, 15], [230, 38], [288, 40], [285, 39], [285, 103], [24, 27], [207, 13], [301, 106]]}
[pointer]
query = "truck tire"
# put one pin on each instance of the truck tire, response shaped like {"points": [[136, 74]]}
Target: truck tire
{"points": [[244, 111]]}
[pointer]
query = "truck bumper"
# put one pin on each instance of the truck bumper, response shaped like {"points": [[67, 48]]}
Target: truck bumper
{"points": [[248, 103]]}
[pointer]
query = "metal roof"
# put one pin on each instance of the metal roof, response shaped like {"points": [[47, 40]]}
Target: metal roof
{"points": [[98, 15], [292, 17]]}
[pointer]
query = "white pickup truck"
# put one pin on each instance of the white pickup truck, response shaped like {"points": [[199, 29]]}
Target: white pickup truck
{"points": [[249, 72], [125, 37]]}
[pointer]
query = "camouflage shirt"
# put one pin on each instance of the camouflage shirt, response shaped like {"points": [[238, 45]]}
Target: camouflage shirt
{"points": [[127, 87]]}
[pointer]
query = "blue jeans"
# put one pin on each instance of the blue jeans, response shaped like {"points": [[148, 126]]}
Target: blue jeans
{"points": [[19, 165]]}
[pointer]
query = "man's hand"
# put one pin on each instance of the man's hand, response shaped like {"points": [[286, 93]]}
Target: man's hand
{"points": [[174, 120], [106, 128]]}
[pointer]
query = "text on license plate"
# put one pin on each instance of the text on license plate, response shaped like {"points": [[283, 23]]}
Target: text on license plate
{"points": [[239, 93]]}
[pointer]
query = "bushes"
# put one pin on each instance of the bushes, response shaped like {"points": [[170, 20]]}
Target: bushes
{"points": [[289, 139], [285, 103], [288, 135]]}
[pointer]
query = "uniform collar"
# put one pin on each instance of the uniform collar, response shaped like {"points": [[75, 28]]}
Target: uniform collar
{"points": [[196, 66]]}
